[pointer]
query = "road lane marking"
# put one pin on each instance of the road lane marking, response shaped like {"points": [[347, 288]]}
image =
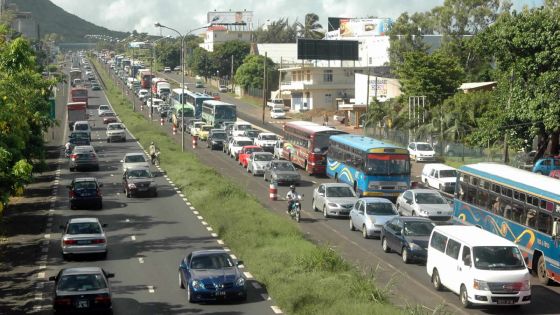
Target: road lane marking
{"points": [[215, 235], [127, 220], [248, 275], [199, 217], [41, 275], [151, 289], [204, 223], [232, 256], [181, 195], [192, 208], [141, 260], [226, 249], [195, 212], [189, 204], [276, 309], [38, 296], [209, 228], [185, 199], [220, 242], [133, 238]]}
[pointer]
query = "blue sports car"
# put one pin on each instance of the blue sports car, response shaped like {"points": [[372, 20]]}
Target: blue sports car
{"points": [[211, 275]]}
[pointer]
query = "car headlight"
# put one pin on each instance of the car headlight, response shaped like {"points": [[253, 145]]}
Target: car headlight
{"points": [[414, 246], [197, 284], [240, 282], [425, 212], [525, 285], [333, 205], [131, 185], [480, 285]]}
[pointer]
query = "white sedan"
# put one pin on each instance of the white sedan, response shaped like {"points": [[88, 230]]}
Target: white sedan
{"points": [[422, 152], [424, 203], [277, 113]]}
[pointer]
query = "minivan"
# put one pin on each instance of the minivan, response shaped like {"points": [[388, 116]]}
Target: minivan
{"points": [[439, 176], [82, 126], [481, 267]]}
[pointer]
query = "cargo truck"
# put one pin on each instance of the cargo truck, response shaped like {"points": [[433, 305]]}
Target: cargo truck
{"points": [[77, 111]]}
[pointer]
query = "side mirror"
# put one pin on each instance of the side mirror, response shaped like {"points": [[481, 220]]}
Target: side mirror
{"points": [[52, 278], [110, 275], [240, 262]]}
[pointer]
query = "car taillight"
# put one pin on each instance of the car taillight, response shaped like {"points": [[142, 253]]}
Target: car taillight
{"points": [[72, 193], [98, 192], [98, 241], [70, 242], [73, 156], [102, 299], [62, 301]]}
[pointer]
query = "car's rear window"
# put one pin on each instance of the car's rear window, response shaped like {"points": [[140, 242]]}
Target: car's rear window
{"points": [[85, 185], [81, 127], [78, 283], [83, 228], [134, 159]]}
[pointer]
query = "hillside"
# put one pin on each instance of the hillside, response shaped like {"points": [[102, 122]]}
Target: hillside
{"points": [[53, 19]]}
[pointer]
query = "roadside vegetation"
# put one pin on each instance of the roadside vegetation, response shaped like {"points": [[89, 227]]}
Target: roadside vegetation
{"points": [[302, 277]]}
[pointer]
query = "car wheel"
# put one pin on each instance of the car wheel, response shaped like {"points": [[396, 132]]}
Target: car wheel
{"points": [[404, 255], [413, 213], [364, 232], [325, 214], [464, 295], [181, 284], [128, 194], [72, 169], [108, 140], [384, 245], [436, 281], [314, 205], [352, 228], [189, 295]]}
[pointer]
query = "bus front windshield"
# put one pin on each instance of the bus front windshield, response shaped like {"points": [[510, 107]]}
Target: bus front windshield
{"points": [[225, 112], [498, 258], [320, 141], [387, 164]]}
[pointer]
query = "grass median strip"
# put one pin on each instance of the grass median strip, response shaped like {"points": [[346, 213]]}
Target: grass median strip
{"points": [[302, 277]]}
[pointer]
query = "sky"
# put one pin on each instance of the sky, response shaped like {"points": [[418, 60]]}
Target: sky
{"points": [[184, 15]]}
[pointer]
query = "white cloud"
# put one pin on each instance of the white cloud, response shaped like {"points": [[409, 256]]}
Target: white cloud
{"points": [[127, 15]]}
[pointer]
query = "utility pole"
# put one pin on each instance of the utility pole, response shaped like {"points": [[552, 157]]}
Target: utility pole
{"points": [[367, 99], [264, 88], [231, 74]]}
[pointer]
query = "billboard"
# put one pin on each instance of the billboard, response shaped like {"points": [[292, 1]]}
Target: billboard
{"points": [[364, 27], [232, 17], [334, 23], [318, 49]]}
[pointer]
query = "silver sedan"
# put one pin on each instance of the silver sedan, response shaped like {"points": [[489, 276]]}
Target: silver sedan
{"points": [[257, 162], [83, 236], [370, 214], [334, 199]]}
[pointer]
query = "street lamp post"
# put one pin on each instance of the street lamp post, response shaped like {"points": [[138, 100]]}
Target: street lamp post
{"points": [[152, 69]]}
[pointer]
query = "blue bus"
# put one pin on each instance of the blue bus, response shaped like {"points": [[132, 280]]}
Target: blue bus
{"points": [[518, 205], [195, 100], [372, 167], [216, 113]]}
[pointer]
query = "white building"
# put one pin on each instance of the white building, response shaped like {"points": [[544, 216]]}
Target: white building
{"points": [[219, 34], [379, 87]]}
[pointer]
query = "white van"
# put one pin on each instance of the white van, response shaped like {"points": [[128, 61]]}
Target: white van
{"points": [[82, 126], [481, 267], [439, 176]]}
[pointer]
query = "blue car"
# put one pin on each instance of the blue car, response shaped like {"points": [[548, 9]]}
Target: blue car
{"points": [[546, 165], [408, 236], [210, 275]]}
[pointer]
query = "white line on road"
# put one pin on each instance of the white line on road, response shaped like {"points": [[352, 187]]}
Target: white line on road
{"points": [[192, 208], [276, 309], [185, 199], [141, 260], [41, 275], [204, 223], [181, 195], [214, 235], [248, 275], [209, 228], [232, 256], [151, 289], [127, 220], [199, 217], [133, 238], [220, 242], [195, 212], [227, 249], [189, 204]]}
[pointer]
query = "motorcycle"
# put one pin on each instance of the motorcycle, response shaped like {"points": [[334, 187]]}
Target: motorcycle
{"points": [[155, 159], [295, 209]]}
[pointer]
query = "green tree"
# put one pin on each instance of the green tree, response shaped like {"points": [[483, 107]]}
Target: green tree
{"points": [[279, 31], [251, 72], [223, 52], [311, 27], [168, 53], [405, 35], [202, 63]]}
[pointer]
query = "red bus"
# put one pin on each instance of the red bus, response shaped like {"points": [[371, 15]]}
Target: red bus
{"points": [[79, 95], [306, 145]]}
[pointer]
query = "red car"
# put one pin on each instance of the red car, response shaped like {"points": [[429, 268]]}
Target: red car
{"points": [[555, 174], [246, 152], [109, 117]]}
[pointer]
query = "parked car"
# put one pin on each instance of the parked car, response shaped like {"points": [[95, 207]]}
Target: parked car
{"points": [[137, 181], [407, 236], [211, 275], [223, 88], [216, 139], [239, 128], [370, 214], [277, 113], [251, 134], [103, 108], [545, 165], [258, 162], [134, 160], [555, 174], [236, 144], [82, 289], [422, 152], [334, 199], [439, 176], [166, 69], [85, 192], [83, 157], [177, 68], [203, 132], [281, 172], [245, 152], [425, 203], [109, 117], [116, 132], [83, 236]]}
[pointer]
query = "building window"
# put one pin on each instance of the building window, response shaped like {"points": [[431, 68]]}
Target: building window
{"points": [[294, 76], [328, 99], [327, 75], [308, 75], [370, 60]]}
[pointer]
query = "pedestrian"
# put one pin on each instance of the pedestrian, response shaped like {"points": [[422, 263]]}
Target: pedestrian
{"points": [[325, 119]]}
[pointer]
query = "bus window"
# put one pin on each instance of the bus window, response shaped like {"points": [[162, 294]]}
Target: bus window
{"points": [[544, 222], [518, 213]]}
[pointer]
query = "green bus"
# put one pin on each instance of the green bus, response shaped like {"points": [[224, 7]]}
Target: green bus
{"points": [[216, 113]]}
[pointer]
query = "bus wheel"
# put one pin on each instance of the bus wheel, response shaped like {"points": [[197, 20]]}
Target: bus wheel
{"points": [[541, 271], [336, 177], [355, 189]]}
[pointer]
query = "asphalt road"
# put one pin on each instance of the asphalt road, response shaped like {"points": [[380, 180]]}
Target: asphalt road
{"points": [[410, 283], [147, 237]]}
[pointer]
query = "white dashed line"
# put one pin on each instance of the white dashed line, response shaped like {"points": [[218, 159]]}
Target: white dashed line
{"points": [[127, 220], [151, 289], [232, 256], [199, 217], [141, 260], [41, 275], [185, 199], [195, 212], [192, 208], [216, 235], [276, 309], [181, 195], [189, 204], [133, 238], [204, 223], [248, 275], [220, 242], [226, 249], [51, 210], [210, 229]]}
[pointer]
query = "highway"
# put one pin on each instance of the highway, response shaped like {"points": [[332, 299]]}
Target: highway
{"points": [[410, 283], [147, 237]]}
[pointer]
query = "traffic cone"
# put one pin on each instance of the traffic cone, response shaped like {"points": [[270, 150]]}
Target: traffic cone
{"points": [[194, 142], [161, 122], [273, 191], [174, 129]]}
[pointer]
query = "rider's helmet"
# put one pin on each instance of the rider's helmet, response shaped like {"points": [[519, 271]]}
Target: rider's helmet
{"points": [[292, 188]]}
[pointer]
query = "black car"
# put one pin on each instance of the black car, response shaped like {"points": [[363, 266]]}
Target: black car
{"points": [[216, 139], [85, 192], [84, 289], [408, 236], [138, 181]]}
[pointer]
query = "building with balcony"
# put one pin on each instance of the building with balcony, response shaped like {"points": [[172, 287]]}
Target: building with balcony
{"points": [[219, 34]]}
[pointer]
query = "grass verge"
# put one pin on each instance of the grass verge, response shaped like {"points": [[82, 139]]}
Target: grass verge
{"points": [[302, 277]]}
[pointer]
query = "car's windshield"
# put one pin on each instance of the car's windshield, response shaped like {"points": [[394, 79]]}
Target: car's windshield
{"points": [[207, 128], [263, 157], [413, 228], [424, 147], [138, 173], [81, 126], [243, 143], [388, 164], [226, 112], [251, 150], [86, 282], [109, 114], [339, 191], [498, 258], [278, 110], [134, 159], [269, 137], [79, 135], [380, 208], [447, 173], [219, 135], [213, 261], [244, 127], [104, 107], [83, 228], [85, 185], [429, 199], [116, 127], [284, 167], [252, 133]]}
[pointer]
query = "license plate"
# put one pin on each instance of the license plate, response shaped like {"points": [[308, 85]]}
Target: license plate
{"points": [[86, 194], [220, 293], [142, 188], [83, 242], [505, 301], [82, 304]]}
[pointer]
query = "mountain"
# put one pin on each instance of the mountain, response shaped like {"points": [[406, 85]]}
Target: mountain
{"points": [[53, 19]]}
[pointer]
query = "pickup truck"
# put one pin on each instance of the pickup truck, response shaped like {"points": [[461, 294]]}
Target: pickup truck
{"points": [[266, 140], [275, 103]]}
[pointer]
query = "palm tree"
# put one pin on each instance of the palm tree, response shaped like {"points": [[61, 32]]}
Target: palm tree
{"points": [[311, 28]]}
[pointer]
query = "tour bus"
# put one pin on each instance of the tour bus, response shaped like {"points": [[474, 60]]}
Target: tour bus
{"points": [[216, 113], [195, 99], [372, 167], [79, 94], [306, 144], [518, 205], [482, 268]]}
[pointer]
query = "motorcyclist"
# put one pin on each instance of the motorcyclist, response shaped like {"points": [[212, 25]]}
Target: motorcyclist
{"points": [[153, 151], [291, 196]]}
